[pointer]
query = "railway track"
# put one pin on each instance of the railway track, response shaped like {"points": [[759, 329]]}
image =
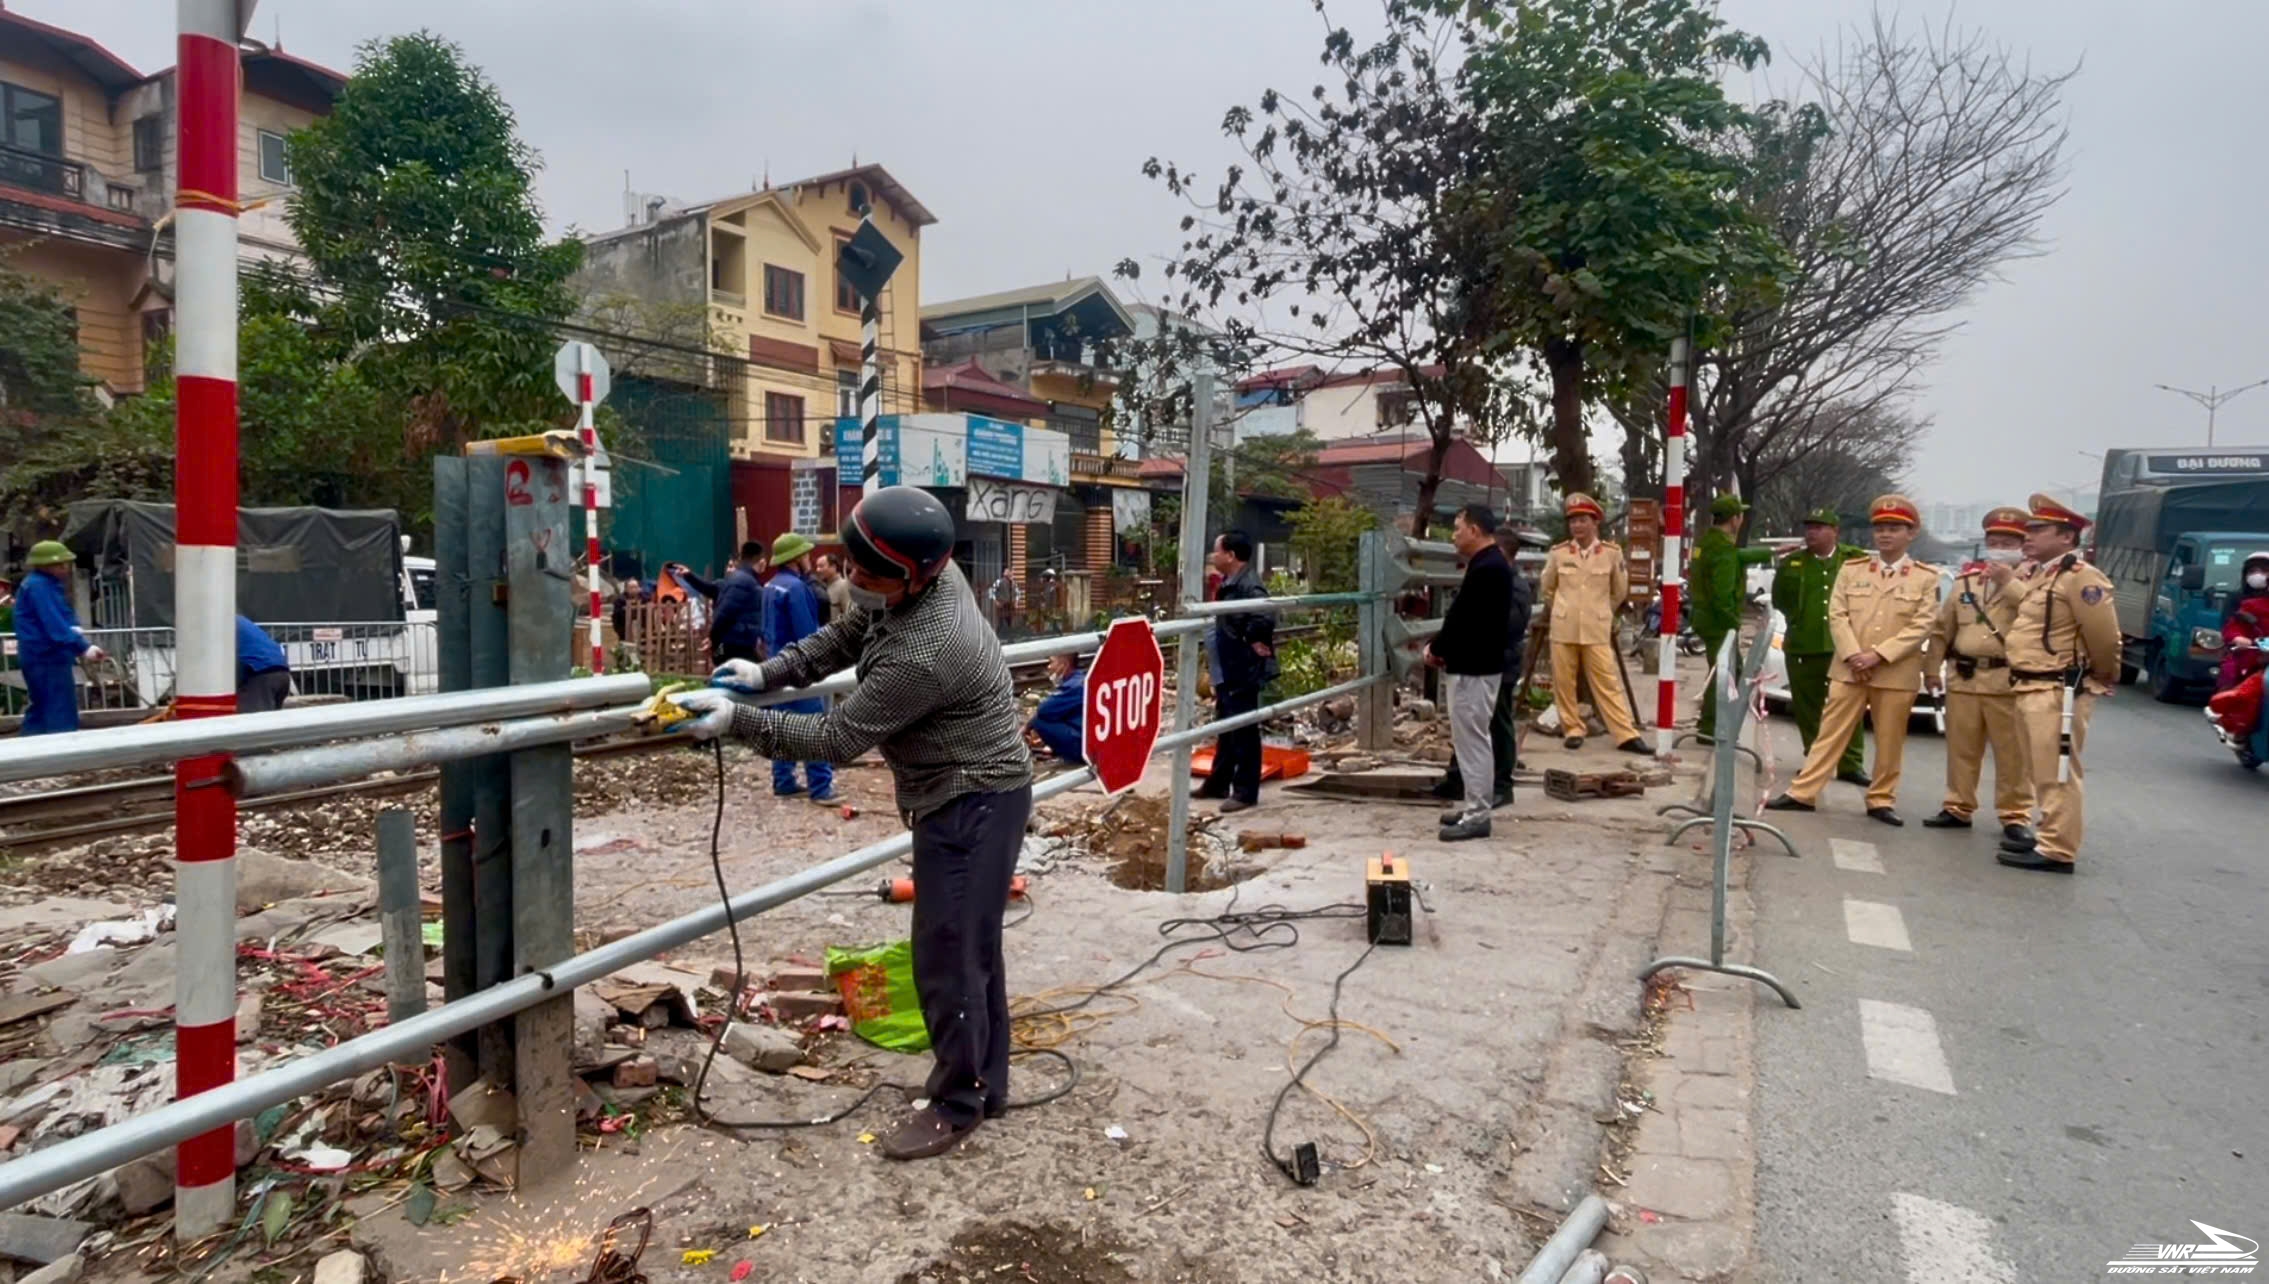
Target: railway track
{"points": [[39, 819]]}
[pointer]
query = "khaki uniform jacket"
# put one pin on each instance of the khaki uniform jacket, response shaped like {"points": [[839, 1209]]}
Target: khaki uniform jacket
{"points": [[1890, 615], [2065, 617], [1959, 631], [1581, 589]]}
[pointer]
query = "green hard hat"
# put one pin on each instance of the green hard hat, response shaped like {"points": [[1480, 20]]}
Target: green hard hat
{"points": [[789, 547], [1823, 517], [1725, 506], [49, 552]]}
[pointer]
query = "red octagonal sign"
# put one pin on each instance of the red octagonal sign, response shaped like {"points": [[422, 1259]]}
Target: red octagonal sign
{"points": [[1126, 690]]}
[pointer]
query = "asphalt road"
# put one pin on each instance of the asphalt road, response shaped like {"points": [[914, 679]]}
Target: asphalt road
{"points": [[2091, 1067]]}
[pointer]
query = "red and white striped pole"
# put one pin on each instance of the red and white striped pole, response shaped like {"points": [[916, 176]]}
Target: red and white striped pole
{"points": [[586, 406], [204, 595], [1673, 553]]}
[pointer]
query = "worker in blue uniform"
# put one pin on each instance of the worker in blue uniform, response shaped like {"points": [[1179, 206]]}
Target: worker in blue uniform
{"points": [[793, 610], [49, 641], [1057, 724], [263, 675]]}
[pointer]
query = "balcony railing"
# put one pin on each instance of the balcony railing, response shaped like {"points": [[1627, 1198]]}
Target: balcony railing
{"points": [[43, 173], [729, 299]]}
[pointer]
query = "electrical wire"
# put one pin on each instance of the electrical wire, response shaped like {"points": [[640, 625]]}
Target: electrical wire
{"points": [[1299, 1077]]}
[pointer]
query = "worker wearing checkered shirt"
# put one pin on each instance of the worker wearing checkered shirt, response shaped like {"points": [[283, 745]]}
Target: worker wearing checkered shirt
{"points": [[934, 696]]}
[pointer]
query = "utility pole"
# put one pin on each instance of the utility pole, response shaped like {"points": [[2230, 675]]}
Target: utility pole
{"points": [[2212, 399], [205, 492]]}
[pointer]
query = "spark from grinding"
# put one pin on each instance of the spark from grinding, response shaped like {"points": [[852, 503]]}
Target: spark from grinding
{"points": [[537, 1244]]}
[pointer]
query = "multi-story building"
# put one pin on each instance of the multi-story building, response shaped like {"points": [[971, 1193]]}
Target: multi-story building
{"points": [[87, 176], [1335, 407], [764, 264], [1043, 342]]}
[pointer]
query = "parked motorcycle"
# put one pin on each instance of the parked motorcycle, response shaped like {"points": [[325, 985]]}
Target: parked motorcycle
{"points": [[2237, 714]]}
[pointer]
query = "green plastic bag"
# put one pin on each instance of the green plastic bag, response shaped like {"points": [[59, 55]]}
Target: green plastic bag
{"points": [[877, 984]]}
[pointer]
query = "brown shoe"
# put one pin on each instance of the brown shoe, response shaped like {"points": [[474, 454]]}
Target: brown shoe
{"points": [[925, 1134]]}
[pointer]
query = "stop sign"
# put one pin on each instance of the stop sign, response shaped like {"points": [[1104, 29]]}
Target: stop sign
{"points": [[1125, 698]]}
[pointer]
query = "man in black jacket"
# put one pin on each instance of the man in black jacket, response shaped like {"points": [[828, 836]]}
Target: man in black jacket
{"points": [[736, 625], [1472, 649], [1504, 721], [1244, 660]]}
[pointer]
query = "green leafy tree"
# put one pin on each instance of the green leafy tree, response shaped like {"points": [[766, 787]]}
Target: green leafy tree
{"points": [[1327, 534], [416, 204], [311, 429], [1614, 190], [46, 404]]}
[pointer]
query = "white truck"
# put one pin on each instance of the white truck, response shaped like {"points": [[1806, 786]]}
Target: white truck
{"points": [[336, 590]]}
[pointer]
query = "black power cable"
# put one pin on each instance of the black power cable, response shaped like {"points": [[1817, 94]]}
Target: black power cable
{"points": [[1304, 1173]]}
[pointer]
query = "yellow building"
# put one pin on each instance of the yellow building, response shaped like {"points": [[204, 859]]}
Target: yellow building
{"points": [[764, 263], [87, 174]]}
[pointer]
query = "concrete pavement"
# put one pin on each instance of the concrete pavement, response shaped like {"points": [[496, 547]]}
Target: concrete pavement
{"points": [[2009, 1076]]}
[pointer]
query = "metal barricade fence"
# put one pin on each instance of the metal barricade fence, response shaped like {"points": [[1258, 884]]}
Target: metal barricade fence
{"points": [[371, 660], [424, 739], [1736, 686]]}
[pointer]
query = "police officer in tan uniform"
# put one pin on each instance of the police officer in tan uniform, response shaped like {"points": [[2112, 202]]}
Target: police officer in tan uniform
{"points": [[1969, 640], [1880, 615], [2063, 645], [1584, 582]]}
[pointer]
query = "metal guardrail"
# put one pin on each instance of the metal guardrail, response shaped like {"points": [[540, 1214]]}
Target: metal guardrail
{"points": [[1733, 692], [30, 758], [57, 1166]]}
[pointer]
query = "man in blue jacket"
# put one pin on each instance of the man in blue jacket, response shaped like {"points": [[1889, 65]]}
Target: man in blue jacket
{"points": [[736, 625], [793, 610], [1057, 723], [48, 640], [263, 675]]}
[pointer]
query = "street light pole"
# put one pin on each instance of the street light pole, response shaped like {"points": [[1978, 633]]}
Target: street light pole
{"points": [[2212, 399]]}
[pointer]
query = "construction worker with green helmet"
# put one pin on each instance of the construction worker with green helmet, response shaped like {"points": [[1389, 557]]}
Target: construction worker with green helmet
{"points": [[49, 642]]}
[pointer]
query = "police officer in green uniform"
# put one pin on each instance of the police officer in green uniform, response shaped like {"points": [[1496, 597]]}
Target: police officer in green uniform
{"points": [[1716, 585], [1800, 594]]}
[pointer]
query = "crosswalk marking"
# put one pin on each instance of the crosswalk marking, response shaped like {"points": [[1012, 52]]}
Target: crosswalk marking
{"points": [[1874, 923], [1943, 1244], [1902, 1046], [1854, 856]]}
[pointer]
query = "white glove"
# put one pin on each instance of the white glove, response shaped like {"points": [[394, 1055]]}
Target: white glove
{"points": [[712, 712], [96, 655], [743, 676]]}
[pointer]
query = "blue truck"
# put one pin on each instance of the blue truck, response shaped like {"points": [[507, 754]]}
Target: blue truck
{"points": [[2173, 547]]}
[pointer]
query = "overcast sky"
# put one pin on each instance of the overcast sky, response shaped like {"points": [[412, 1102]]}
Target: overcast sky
{"points": [[1022, 123]]}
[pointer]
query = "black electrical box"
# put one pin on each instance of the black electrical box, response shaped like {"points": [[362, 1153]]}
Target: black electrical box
{"points": [[1388, 901]]}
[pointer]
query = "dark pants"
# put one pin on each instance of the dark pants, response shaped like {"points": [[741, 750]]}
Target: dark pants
{"points": [[264, 692], [1808, 697], [1504, 738], [54, 698], [964, 856], [727, 651], [1236, 754]]}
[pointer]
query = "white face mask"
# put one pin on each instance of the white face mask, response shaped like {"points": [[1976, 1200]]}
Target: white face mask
{"points": [[868, 599], [2005, 556], [2257, 579]]}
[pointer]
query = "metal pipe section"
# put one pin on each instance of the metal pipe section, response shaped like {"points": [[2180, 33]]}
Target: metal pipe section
{"points": [[1567, 1243], [28, 758], [1274, 605], [293, 770], [1184, 739], [100, 1151], [307, 768]]}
